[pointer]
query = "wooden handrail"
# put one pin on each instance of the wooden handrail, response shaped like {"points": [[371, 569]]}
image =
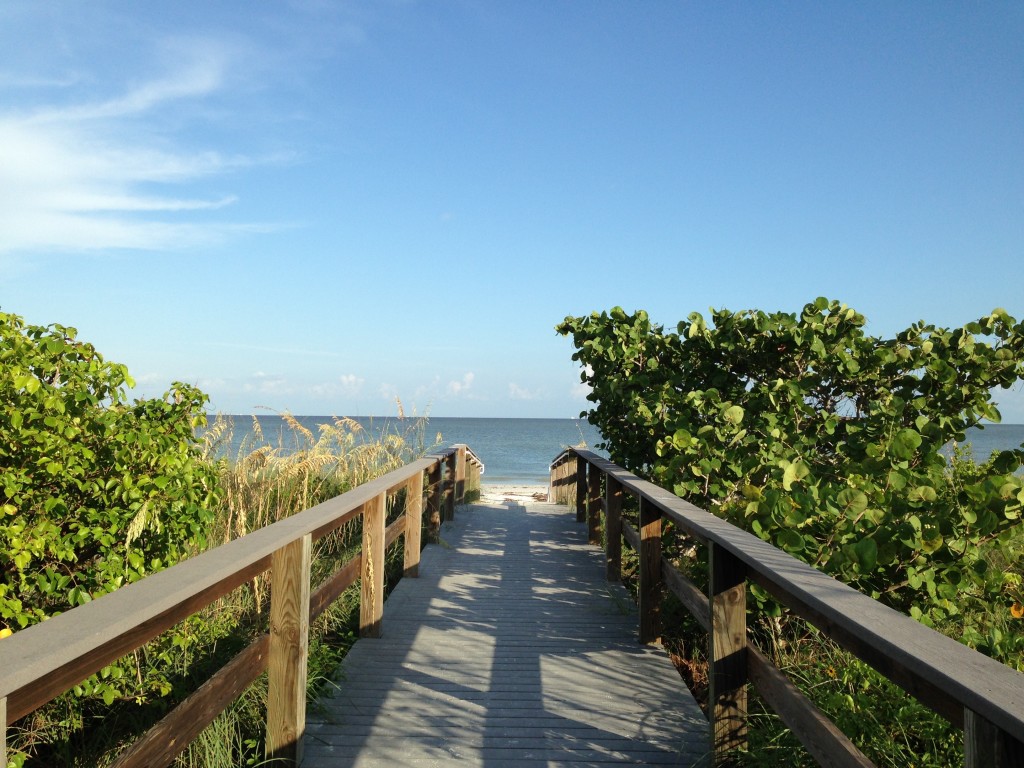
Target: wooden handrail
{"points": [[42, 661], [969, 689]]}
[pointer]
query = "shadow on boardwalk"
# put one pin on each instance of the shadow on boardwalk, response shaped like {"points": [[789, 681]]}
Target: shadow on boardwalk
{"points": [[509, 649]]}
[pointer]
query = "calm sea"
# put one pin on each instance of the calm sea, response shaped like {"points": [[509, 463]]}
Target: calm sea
{"points": [[520, 450]]}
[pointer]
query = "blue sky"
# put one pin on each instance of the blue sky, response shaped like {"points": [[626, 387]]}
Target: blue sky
{"points": [[322, 206]]}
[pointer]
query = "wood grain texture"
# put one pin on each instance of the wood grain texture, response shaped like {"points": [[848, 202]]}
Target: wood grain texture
{"points": [[939, 671], [413, 524], [371, 589], [435, 496], [333, 587], [460, 474], [510, 650], [650, 573], [289, 651], [727, 654], [3, 731], [594, 506], [162, 743], [695, 601], [45, 660], [820, 736], [581, 490], [613, 532]]}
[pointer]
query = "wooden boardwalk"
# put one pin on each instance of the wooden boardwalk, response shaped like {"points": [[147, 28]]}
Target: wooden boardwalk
{"points": [[509, 649]]}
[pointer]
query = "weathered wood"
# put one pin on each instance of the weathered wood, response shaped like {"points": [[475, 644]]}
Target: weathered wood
{"points": [[44, 660], [650, 573], [162, 743], [289, 651], [333, 587], [413, 524], [371, 596], [695, 601], [581, 490], [727, 654], [3, 731], [394, 531], [631, 535], [449, 486], [460, 474], [986, 746], [820, 736], [526, 657], [594, 504], [940, 672], [613, 529], [435, 501]]}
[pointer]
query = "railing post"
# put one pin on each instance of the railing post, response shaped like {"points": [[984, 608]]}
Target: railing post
{"points": [[581, 489], [460, 474], [371, 587], [988, 746], [413, 524], [289, 648], [594, 505], [613, 527], [727, 652], [435, 500], [650, 572], [449, 486], [3, 731]]}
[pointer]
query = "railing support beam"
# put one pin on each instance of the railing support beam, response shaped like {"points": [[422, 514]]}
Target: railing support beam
{"points": [[436, 502], [988, 746], [613, 527], [650, 572], [727, 677], [289, 649], [581, 490], [371, 587], [413, 524], [594, 505]]}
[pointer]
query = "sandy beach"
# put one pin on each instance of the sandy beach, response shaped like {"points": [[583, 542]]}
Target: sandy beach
{"points": [[496, 494]]}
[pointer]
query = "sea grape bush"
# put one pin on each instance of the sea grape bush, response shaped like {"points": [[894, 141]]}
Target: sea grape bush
{"points": [[95, 491], [826, 441]]}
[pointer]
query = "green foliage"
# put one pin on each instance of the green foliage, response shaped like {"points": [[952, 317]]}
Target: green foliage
{"points": [[95, 492], [826, 441]]}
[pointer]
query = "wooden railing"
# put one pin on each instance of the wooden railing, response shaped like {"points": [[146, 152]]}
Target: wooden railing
{"points": [[47, 659], [973, 692]]}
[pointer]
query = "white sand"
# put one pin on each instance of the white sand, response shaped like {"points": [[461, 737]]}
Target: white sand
{"points": [[517, 493]]}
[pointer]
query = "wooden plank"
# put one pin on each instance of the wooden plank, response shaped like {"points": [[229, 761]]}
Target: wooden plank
{"points": [[449, 487], [695, 601], [394, 531], [460, 474], [820, 736], [162, 743], [650, 573], [3, 731], [333, 587], [289, 651], [44, 660], [581, 490], [371, 596], [594, 500], [413, 524], [940, 672], [727, 654], [511, 649], [613, 524], [631, 535], [435, 501]]}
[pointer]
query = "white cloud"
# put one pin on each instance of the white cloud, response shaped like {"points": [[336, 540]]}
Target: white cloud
{"points": [[581, 389], [515, 392], [71, 176], [461, 386]]}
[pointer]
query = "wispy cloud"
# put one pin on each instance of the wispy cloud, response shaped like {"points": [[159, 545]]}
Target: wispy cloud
{"points": [[79, 176], [516, 392], [461, 386]]}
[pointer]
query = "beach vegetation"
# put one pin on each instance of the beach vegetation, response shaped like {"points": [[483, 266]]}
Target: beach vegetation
{"points": [[97, 491], [833, 445]]}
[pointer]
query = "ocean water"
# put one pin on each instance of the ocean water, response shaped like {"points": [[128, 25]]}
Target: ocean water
{"points": [[514, 451], [519, 451]]}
